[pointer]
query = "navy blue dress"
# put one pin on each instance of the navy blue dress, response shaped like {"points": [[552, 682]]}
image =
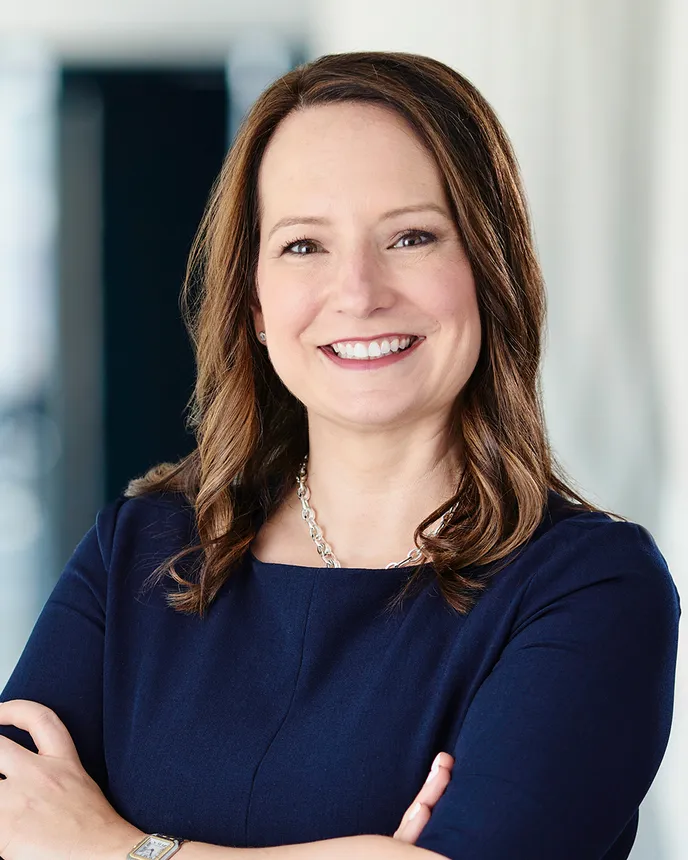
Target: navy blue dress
{"points": [[298, 710]]}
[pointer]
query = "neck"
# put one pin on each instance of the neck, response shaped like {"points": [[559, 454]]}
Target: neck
{"points": [[370, 495]]}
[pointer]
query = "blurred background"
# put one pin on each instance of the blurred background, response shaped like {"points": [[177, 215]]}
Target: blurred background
{"points": [[114, 120]]}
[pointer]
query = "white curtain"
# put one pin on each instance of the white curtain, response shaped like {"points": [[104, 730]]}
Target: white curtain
{"points": [[668, 319]]}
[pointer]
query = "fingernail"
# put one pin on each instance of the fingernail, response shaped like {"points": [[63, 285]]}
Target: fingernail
{"points": [[435, 767], [414, 810]]}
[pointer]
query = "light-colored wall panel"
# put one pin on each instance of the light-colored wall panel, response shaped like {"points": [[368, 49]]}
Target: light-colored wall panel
{"points": [[146, 31]]}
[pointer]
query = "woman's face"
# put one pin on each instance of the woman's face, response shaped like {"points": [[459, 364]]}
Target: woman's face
{"points": [[357, 243]]}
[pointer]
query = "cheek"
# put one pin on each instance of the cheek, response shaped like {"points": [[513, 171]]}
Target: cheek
{"points": [[282, 295], [289, 307], [469, 313], [452, 296], [454, 306]]}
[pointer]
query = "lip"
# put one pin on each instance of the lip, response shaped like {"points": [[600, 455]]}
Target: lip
{"points": [[388, 335], [370, 364]]}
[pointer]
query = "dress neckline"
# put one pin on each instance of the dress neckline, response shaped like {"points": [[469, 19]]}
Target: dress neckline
{"points": [[277, 565]]}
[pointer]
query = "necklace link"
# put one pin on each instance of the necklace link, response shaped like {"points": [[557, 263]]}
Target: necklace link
{"points": [[323, 547]]}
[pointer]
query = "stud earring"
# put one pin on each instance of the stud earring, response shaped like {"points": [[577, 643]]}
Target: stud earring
{"points": [[261, 335]]}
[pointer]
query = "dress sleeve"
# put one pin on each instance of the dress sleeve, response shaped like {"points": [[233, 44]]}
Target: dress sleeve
{"points": [[565, 735], [61, 665]]}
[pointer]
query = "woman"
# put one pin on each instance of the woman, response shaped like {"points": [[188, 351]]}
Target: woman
{"points": [[368, 337]]}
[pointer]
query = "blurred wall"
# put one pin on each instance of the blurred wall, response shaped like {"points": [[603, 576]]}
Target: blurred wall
{"points": [[150, 31], [29, 439]]}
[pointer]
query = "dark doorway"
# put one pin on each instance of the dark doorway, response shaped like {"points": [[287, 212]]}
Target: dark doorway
{"points": [[162, 138]]}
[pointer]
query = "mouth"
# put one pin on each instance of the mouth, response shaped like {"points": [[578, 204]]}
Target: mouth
{"points": [[387, 345], [373, 362]]}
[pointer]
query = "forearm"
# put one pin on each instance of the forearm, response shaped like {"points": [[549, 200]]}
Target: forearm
{"points": [[364, 847]]}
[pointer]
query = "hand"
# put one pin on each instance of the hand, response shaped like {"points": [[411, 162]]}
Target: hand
{"points": [[49, 805], [438, 779]]}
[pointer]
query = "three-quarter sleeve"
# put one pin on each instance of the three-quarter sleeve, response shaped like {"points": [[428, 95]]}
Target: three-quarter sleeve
{"points": [[565, 735], [61, 665]]}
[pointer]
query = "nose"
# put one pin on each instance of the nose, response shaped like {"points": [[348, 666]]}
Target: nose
{"points": [[359, 284]]}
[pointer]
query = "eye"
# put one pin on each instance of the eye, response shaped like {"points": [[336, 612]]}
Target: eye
{"points": [[295, 243], [304, 242], [412, 234]]}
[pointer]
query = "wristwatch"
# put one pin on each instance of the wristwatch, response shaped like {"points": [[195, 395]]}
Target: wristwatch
{"points": [[155, 846]]}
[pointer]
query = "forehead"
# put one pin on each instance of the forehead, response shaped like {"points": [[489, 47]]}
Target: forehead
{"points": [[328, 153]]}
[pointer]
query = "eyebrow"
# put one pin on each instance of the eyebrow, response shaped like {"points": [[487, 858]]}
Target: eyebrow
{"points": [[392, 213]]}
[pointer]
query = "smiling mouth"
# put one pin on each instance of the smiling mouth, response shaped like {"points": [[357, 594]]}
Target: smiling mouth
{"points": [[413, 338], [363, 361]]}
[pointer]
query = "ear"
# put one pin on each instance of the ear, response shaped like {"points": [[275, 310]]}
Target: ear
{"points": [[258, 320], [256, 313]]}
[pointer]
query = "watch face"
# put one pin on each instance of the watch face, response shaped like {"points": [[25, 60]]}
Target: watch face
{"points": [[153, 848]]}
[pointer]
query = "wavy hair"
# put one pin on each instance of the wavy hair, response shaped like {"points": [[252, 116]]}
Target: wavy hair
{"points": [[251, 433]]}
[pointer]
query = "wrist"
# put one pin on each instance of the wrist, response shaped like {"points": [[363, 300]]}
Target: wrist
{"points": [[120, 842]]}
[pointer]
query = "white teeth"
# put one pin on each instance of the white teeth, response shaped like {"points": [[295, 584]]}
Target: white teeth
{"points": [[374, 349]]}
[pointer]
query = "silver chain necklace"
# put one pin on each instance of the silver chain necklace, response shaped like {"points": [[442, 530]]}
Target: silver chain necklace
{"points": [[323, 547]]}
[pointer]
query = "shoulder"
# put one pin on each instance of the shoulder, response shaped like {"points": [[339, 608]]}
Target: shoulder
{"points": [[577, 536], [128, 540], [588, 562], [153, 524]]}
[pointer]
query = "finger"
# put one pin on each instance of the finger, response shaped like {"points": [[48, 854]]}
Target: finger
{"points": [[412, 824], [442, 759], [436, 781], [434, 787], [49, 733], [13, 757]]}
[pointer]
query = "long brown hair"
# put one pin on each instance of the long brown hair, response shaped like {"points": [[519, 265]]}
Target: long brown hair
{"points": [[251, 433]]}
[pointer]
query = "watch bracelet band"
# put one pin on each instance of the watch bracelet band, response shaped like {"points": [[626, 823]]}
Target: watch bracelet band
{"points": [[177, 844]]}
